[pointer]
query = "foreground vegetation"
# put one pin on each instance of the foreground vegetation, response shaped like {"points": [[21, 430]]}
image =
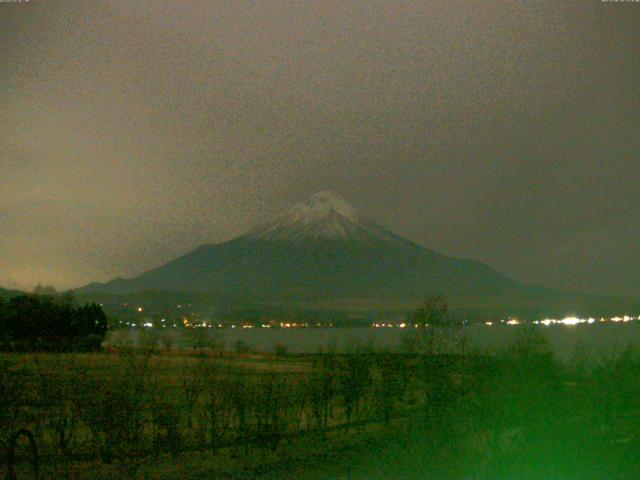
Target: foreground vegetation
{"points": [[159, 414]]}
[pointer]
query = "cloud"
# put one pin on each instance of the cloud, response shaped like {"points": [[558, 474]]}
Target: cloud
{"points": [[134, 131]]}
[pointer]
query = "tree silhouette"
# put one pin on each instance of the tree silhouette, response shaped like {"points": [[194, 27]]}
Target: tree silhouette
{"points": [[47, 323], [433, 312]]}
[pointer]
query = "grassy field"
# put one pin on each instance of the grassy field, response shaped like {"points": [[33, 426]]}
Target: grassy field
{"points": [[200, 414]]}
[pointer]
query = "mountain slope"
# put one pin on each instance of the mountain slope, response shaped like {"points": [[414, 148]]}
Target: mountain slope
{"points": [[319, 249]]}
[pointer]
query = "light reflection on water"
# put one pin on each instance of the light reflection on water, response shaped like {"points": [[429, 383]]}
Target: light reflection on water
{"points": [[597, 339]]}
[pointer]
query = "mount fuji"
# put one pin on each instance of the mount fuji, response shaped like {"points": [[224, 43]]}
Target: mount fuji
{"points": [[322, 249]]}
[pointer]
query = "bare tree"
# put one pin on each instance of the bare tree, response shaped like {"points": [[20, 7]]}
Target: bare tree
{"points": [[430, 327]]}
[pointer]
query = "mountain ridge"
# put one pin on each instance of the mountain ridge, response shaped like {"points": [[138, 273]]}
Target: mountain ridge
{"points": [[320, 248], [322, 254]]}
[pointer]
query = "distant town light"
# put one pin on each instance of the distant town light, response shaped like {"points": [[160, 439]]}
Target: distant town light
{"points": [[571, 321]]}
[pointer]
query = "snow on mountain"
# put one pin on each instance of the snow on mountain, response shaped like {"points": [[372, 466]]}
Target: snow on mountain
{"points": [[324, 250], [319, 249], [324, 215]]}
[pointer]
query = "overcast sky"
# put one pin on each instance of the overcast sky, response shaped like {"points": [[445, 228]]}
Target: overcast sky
{"points": [[503, 131]]}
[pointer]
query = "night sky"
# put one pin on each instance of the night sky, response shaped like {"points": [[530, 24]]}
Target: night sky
{"points": [[507, 132]]}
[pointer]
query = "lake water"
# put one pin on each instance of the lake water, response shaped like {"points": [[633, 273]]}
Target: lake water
{"points": [[597, 339]]}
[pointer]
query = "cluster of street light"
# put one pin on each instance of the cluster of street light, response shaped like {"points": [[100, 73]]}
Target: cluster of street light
{"points": [[570, 321], [186, 322]]}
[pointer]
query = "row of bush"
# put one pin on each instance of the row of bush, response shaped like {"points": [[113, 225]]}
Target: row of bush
{"points": [[494, 415], [129, 405]]}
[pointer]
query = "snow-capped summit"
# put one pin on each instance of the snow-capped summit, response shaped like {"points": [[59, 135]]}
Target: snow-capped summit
{"points": [[321, 204], [325, 215]]}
